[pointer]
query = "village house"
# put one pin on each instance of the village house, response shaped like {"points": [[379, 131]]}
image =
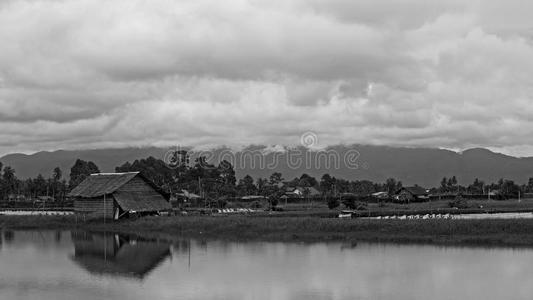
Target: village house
{"points": [[251, 198], [16, 198], [116, 195], [44, 199], [185, 198], [411, 194], [301, 192], [380, 195]]}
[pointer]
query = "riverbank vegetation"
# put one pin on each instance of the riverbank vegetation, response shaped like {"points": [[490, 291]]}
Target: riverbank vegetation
{"points": [[515, 233]]}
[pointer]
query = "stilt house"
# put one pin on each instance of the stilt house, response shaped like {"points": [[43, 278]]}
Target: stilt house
{"points": [[115, 195]]}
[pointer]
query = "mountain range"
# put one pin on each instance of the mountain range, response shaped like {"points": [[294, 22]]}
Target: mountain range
{"points": [[422, 166]]}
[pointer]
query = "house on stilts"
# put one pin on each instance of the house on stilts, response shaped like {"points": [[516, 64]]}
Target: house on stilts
{"points": [[116, 195]]}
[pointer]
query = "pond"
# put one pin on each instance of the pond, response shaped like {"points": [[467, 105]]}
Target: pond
{"points": [[83, 265]]}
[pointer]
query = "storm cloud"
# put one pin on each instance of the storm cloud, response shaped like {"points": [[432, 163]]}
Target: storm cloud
{"points": [[92, 74]]}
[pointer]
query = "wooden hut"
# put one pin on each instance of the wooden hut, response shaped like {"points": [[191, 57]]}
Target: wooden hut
{"points": [[412, 193], [115, 195]]}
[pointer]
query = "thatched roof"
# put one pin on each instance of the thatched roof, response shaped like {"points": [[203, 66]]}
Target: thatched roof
{"points": [[100, 184], [415, 190], [141, 202]]}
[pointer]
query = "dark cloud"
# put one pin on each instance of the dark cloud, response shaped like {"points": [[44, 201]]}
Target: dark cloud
{"points": [[455, 74]]}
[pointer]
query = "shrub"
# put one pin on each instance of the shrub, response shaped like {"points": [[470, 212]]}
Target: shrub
{"points": [[222, 203], [349, 202], [333, 203], [256, 204], [273, 202], [459, 202]]}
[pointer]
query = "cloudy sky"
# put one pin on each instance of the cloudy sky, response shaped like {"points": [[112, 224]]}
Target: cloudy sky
{"points": [[91, 74]]}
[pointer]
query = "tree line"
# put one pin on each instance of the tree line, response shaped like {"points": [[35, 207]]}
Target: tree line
{"points": [[54, 186], [216, 181]]}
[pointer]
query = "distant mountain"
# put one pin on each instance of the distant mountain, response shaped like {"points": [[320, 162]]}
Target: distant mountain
{"points": [[44, 162], [423, 166]]}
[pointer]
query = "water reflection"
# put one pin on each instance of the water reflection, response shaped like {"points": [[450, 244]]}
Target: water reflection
{"points": [[118, 255], [84, 265], [8, 236]]}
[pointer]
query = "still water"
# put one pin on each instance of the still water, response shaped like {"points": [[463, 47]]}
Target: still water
{"points": [[81, 265]]}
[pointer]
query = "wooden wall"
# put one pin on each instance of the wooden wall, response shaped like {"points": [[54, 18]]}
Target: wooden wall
{"points": [[94, 207]]}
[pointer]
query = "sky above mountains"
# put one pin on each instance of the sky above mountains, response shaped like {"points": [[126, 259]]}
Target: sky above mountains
{"points": [[94, 74]]}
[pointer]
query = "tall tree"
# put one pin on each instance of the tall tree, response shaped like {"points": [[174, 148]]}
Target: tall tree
{"points": [[476, 187], [57, 174], [529, 185], [154, 169], [262, 186], [9, 180], [275, 179], [80, 170], [246, 186], [391, 186], [227, 174], [307, 181], [2, 191], [40, 186], [444, 185], [327, 183]]}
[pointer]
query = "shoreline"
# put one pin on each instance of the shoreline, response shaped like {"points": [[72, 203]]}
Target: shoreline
{"points": [[478, 233]]}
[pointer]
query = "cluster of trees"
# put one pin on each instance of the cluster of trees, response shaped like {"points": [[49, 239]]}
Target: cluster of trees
{"points": [[219, 181], [201, 177], [211, 181], [503, 186], [11, 187], [80, 170], [55, 185]]}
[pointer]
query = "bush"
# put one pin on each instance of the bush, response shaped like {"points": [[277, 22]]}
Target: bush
{"points": [[333, 203], [256, 204], [352, 203], [349, 202], [273, 202], [222, 203], [459, 203]]}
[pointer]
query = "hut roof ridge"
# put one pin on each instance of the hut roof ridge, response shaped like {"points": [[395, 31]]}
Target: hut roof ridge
{"points": [[100, 184]]}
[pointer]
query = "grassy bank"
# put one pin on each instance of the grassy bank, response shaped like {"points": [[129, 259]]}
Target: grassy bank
{"points": [[320, 209], [514, 233]]}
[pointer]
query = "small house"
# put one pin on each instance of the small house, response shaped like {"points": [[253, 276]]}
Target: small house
{"points": [[186, 198], [115, 195], [251, 198], [412, 194], [380, 195], [16, 198], [44, 199], [304, 192]]}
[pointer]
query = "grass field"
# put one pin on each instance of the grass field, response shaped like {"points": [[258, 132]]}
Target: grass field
{"points": [[320, 209], [515, 233]]}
